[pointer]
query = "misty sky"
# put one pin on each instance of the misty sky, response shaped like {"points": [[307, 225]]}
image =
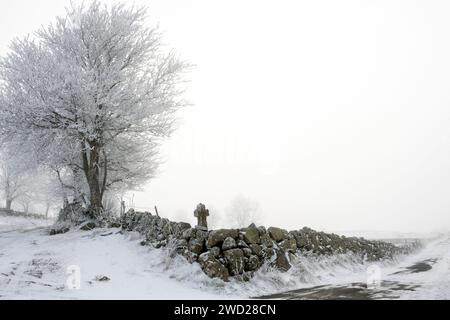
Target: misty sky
{"points": [[332, 114]]}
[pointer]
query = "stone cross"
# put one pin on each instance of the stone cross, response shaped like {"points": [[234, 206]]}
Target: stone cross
{"points": [[201, 213]]}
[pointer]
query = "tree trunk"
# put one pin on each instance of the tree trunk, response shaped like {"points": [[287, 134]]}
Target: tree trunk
{"points": [[8, 204], [63, 189], [95, 195], [91, 164], [78, 182]]}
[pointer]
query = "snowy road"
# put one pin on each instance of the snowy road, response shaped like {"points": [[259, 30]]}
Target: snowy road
{"points": [[424, 275], [34, 265]]}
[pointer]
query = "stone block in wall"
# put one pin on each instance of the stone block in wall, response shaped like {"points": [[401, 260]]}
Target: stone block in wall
{"points": [[213, 267], [218, 236], [277, 234], [235, 261], [228, 243], [251, 235]]}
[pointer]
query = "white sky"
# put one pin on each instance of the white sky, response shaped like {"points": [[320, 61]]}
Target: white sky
{"points": [[332, 114]]}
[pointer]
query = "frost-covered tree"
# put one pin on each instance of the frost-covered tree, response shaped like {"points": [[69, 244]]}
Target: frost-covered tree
{"points": [[26, 201], [26, 185], [47, 192], [93, 92], [12, 183], [15, 174]]}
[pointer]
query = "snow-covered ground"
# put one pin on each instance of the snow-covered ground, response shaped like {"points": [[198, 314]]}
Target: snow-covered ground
{"points": [[34, 265], [429, 269], [423, 275]]}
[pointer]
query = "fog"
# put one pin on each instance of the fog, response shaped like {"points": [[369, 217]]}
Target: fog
{"points": [[333, 115]]}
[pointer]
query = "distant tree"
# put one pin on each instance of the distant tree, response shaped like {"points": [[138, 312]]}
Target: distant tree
{"points": [[22, 183], [26, 201], [47, 192], [92, 93], [13, 179], [11, 185], [242, 211]]}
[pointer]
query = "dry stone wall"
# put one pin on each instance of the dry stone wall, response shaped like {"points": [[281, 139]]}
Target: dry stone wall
{"points": [[238, 253]]}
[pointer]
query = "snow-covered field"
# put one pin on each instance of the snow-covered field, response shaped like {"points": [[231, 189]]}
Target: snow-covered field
{"points": [[34, 265]]}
